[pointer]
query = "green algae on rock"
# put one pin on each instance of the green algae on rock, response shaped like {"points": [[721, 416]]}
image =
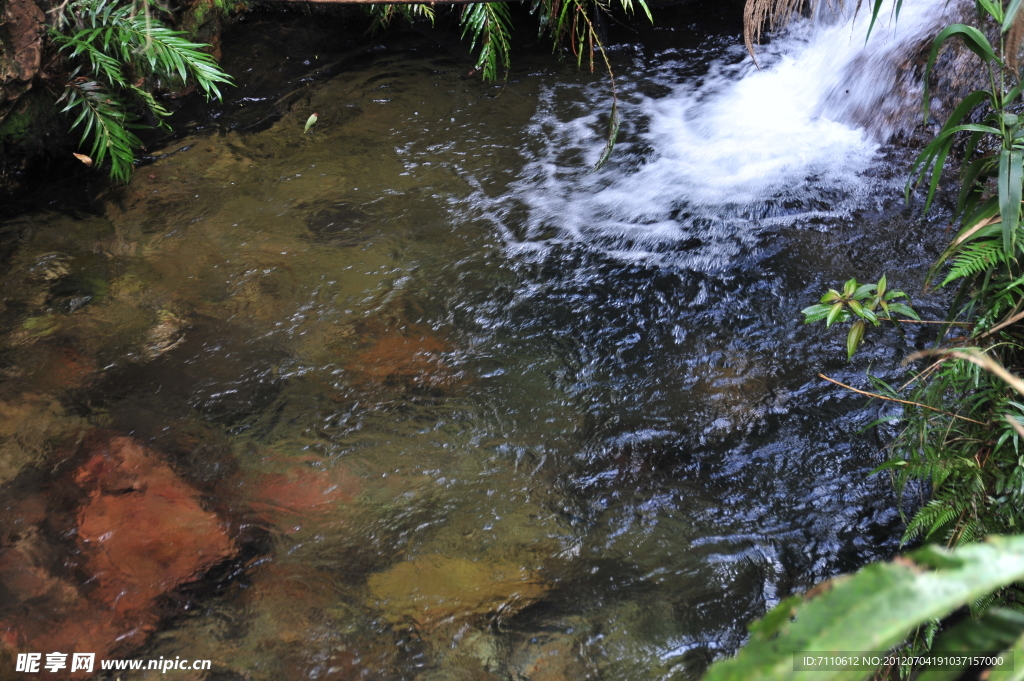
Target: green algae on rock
{"points": [[433, 589]]}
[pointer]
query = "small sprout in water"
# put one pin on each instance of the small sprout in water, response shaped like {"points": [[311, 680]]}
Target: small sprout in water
{"points": [[310, 122], [860, 303]]}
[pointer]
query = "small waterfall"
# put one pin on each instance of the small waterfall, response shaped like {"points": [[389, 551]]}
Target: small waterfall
{"points": [[879, 85], [741, 145]]}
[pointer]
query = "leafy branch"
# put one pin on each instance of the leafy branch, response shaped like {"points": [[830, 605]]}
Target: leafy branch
{"points": [[489, 25], [383, 15], [104, 120], [117, 51]]}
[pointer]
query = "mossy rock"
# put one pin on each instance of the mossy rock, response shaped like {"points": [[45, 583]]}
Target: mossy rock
{"points": [[204, 20], [433, 589], [31, 129]]}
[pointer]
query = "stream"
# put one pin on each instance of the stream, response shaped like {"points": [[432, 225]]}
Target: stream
{"points": [[431, 397]]}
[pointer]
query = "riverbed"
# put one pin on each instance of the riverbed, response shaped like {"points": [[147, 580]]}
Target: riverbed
{"points": [[466, 407]]}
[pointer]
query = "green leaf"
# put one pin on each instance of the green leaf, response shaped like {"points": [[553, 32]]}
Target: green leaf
{"points": [[832, 296], [993, 7], [310, 122], [815, 313], [647, 10], [905, 310], [849, 288], [991, 633], [1011, 14], [1016, 674], [933, 157], [864, 290], [874, 17], [875, 609], [972, 181], [891, 463], [854, 338], [1013, 94], [863, 312], [776, 619], [833, 314], [1011, 177], [966, 106]]}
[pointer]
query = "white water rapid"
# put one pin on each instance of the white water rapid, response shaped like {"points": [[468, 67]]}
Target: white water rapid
{"points": [[737, 145]]}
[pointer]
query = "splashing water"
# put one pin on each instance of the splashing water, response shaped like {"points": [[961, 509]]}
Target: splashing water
{"points": [[740, 148]]}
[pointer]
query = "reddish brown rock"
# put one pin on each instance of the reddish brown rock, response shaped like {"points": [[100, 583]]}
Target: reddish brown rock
{"points": [[143, 528], [81, 628], [414, 360], [141, 532]]}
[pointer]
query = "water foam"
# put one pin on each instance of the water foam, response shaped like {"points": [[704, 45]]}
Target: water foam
{"points": [[742, 145]]}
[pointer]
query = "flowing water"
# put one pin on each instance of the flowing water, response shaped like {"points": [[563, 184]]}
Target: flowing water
{"points": [[467, 408]]}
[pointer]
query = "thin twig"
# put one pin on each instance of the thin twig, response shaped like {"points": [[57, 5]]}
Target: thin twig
{"points": [[931, 369], [1012, 320], [918, 321], [893, 399]]}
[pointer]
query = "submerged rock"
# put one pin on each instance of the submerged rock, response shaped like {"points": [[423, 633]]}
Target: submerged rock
{"points": [[434, 589], [24, 577], [410, 361], [29, 427], [141, 532], [66, 368], [165, 336], [143, 528], [300, 492], [551, 657]]}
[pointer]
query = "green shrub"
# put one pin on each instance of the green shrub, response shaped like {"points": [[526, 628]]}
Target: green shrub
{"points": [[963, 419], [962, 424]]}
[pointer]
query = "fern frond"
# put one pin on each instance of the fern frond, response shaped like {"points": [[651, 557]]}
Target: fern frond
{"points": [[105, 119], [974, 258], [489, 25], [979, 606], [164, 51], [113, 45], [100, 64], [383, 14]]}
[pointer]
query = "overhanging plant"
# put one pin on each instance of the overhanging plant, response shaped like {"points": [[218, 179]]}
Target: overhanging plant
{"points": [[119, 54]]}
